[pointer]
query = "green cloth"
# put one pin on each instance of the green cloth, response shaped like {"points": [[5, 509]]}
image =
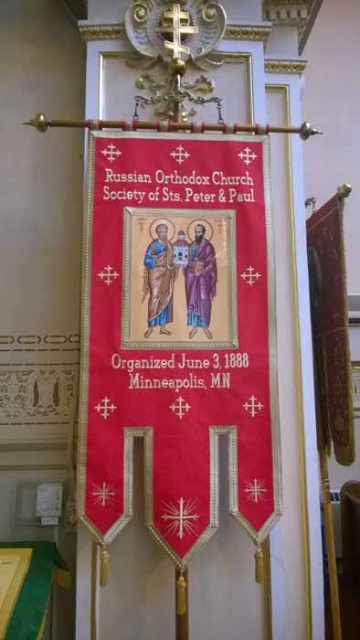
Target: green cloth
{"points": [[35, 593]]}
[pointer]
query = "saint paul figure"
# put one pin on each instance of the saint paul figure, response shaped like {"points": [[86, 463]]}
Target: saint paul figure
{"points": [[200, 283], [159, 279]]}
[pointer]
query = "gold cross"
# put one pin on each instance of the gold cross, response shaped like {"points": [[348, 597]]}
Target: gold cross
{"points": [[177, 28]]}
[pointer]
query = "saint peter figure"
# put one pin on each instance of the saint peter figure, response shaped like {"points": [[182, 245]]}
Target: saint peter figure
{"points": [[200, 283], [159, 278]]}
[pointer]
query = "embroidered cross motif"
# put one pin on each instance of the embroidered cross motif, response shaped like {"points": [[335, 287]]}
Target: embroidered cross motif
{"points": [[105, 408], [180, 154], [247, 156], [111, 153], [250, 276], [253, 406], [108, 275], [180, 407]]}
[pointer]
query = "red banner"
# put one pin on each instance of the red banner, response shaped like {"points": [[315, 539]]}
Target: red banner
{"points": [[178, 335], [326, 257]]}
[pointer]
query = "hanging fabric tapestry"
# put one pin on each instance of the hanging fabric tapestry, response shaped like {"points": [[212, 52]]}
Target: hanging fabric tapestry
{"points": [[178, 342], [326, 258]]}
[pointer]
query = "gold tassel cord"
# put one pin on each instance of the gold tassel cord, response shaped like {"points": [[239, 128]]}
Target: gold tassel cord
{"points": [[104, 567], [259, 565], [181, 606]]}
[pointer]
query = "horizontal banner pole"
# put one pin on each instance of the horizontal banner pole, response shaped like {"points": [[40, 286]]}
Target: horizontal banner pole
{"points": [[41, 123]]}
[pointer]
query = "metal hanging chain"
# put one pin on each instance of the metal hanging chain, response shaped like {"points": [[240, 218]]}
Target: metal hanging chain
{"points": [[42, 123]]}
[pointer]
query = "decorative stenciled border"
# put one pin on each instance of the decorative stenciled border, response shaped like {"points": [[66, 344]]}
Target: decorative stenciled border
{"points": [[39, 374], [36, 342], [38, 393], [229, 215]]}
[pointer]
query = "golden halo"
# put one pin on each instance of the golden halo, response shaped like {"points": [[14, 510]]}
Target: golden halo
{"points": [[158, 221], [209, 231]]}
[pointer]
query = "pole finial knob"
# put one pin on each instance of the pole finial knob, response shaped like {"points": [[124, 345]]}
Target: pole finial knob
{"points": [[307, 130], [344, 190], [40, 122]]}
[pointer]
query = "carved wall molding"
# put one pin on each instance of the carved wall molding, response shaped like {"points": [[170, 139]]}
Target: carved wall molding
{"points": [[167, 31], [291, 13], [305, 30], [295, 13], [38, 466], [44, 454], [285, 66], [117, 32], [34, 445], [286, 12], [78, 8], [102, 32], [248, 32]]}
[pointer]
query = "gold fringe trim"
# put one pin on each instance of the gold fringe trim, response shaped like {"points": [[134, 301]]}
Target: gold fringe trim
{"points": [[181, 599], [259, 565], [104, 567]]}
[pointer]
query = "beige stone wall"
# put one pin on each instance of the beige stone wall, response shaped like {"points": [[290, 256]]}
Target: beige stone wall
{"points": [[331, 100], [41, 69]]}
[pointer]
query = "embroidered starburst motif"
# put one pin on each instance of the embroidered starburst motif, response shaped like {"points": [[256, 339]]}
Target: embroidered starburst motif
{"points": [[103, 494], [181, 518], [255, 491]]}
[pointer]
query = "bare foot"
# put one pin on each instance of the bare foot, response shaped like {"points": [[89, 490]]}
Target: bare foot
{"points": [[193, 332], [148, 333], [208, 333], [165, 331]]}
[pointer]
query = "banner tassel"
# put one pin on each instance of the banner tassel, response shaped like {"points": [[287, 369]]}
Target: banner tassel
{"points": [[181, 603], [259, 565], [104, 567]]}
